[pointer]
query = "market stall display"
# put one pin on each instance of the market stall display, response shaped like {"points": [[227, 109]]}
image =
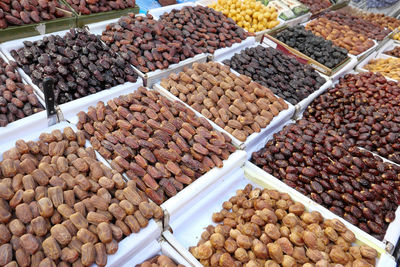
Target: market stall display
{"points": [[282, 74], [88, 7], [340, 35], [251, 15], [167, 116], [313, 46], [21, 12], [160, 145], [377, 128], [17, 100], [235, 103], [62, 206], [359, 25], [266, 226], [328, 168], [79, 63], [317, 6]]}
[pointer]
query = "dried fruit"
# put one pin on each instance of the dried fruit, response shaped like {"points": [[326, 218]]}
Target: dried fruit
{"points": [[147, 164], [232, 94], [311, 241], [80, 68]]}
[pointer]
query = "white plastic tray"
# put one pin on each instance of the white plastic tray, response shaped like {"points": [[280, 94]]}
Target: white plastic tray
{"points": [[365, 61], [74, 104], [130, 244], [177, 205], [187, 231], [251, 140], [155, 247], [345, 69], [390, 45]]}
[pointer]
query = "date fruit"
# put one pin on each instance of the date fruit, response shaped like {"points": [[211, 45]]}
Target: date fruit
{"points": [[79, 62], [282, 74], [153, 141], [234, 103], [269, 234]]}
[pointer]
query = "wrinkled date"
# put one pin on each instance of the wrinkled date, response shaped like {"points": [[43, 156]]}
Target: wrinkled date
{"points": [[358, 24], [79, 63], [62, 207], [17, 100], [161, 145], [261, 227], [283, 74], [149, 44], [370, 118], [88, 7], [328, 168], [341, 35], [382, 20], [316, 6], [313, 46], [160, 260], [20, 12], [205, 28], [235, 103]]}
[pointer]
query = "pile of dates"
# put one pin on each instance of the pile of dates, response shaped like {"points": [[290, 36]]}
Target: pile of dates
{"points": [[79, 63], [17, 100], [359, 25], [395, 52], [341, 35], [283, 74], [159, 261], [149, 44], [349, 181], [364, 109], [61, 207], [87, 7], [316, 6], [20, 12], [159, 144], [260, 227], [313, 46], [382, 20], [235, 103], [205, 28]]}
